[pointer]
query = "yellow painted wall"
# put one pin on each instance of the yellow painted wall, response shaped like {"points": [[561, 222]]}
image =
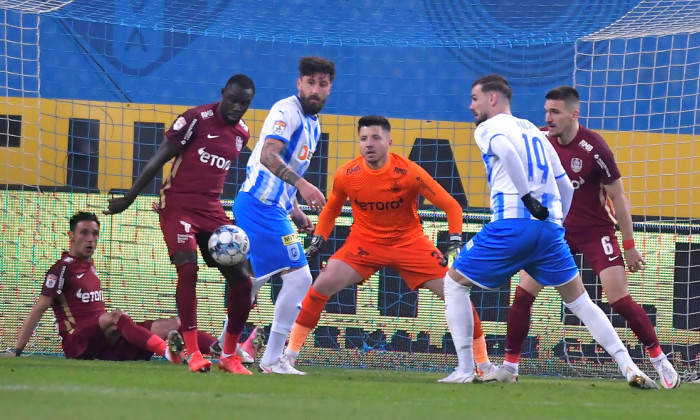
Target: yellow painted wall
{"points": [[660, 171]]}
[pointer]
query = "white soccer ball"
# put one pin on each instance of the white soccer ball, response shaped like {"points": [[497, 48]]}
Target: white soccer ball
{"points": [[229, 245]]}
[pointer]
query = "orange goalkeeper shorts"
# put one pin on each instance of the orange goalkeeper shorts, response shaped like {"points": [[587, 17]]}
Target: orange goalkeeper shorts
{"points": [[416, 262]]}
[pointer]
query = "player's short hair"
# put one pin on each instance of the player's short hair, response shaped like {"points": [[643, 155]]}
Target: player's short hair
{"points": [[82, 216], [241, 80], [372, 120], [567, 94], [494, 83], [312, 65]]}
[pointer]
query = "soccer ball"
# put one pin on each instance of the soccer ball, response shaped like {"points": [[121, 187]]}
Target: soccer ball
{"points": [[229, 245]]}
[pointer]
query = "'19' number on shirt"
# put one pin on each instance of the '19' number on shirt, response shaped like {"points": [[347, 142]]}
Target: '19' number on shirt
{"points": [[540, 158]]}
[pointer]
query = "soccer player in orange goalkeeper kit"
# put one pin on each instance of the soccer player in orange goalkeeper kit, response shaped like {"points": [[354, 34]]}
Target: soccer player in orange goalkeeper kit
{"points": [[383, 189]]}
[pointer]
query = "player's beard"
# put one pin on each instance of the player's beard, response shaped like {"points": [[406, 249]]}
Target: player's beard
{"points": [[312, 108]]}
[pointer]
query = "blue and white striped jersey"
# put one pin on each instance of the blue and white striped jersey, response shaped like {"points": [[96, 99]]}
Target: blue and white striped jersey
{"points": [[540, 163], [286, 122]]}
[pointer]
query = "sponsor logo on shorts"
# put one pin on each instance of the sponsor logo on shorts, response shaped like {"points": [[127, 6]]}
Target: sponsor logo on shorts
{"points": [[51, 281], [613, 258], [278, 127], [181, 239], [293, 252], [290, 239]]}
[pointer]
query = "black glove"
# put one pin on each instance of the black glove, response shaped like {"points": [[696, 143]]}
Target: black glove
{"points": [[453, 249], [317, 242], [535, 207]]}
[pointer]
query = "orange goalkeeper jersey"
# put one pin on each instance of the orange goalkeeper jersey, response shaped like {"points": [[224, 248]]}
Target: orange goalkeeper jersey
{"points": [[385, 201]]}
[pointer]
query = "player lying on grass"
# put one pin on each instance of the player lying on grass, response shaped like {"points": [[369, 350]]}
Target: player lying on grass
{"points": [[73, 290], [383, 189]]}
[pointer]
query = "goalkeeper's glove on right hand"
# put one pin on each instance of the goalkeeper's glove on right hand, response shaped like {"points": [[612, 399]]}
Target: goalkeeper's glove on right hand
{"points": [[453, 250], [312, 250], [535, 207]]}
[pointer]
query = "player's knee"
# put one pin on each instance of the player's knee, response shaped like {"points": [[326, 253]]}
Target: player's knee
{"points": [[183, 257]]}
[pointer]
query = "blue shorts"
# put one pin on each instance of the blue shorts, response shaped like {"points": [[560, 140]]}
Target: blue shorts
{"points": [[505, 246], [274, 243]]}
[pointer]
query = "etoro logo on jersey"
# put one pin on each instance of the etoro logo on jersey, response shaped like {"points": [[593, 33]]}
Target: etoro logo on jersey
{"points": [[379, 205], [213, 160]]}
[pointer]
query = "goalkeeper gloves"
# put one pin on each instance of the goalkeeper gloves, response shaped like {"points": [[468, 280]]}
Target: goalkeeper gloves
{"points": [[317, 242], [535, 207], [452, 250]]}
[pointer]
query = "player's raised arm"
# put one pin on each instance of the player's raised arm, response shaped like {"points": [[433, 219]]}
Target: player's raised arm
{"points": [[166, 151], [30, 324]]}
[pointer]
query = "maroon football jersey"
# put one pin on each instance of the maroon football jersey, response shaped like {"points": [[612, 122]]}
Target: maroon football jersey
{"points": [[76, 292], [590, 164], [208, 145]]}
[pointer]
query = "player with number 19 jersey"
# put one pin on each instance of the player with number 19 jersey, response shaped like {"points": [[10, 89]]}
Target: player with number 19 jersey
{"points": [[515, 239], [540, 161]]}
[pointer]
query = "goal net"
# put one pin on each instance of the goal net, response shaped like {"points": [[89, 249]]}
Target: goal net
{"points": [[90, 86], [639, 84]]}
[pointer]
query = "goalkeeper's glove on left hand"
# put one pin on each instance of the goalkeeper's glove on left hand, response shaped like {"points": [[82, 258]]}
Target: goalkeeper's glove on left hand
{"points": [[312, 250], [535, 207], [453, 250]]}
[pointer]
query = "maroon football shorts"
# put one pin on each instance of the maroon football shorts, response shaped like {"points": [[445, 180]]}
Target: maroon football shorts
{"points": [[87, 341], [598, 245], [185, 229]]}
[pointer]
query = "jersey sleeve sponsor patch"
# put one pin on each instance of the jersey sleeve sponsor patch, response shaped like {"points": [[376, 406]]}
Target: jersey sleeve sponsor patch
{"points": [[179, 123], [51, 281], [278, 127]]}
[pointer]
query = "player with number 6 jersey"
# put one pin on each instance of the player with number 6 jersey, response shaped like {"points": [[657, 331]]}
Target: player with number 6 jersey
{"points": [[590, 228]]}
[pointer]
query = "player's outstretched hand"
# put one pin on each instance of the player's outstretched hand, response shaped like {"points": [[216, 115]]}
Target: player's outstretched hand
{"points": [[117, 205], [535, 207], [313, 197], [453, 250], [634, 260], [312, 250], [302, 221]]}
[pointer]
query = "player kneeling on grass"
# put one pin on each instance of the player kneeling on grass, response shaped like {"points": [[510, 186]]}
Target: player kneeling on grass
{"points": [[383, 189], [74, 292]]}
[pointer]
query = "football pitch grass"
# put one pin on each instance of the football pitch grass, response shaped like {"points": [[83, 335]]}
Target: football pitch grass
{"points": [[52, 387]]}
